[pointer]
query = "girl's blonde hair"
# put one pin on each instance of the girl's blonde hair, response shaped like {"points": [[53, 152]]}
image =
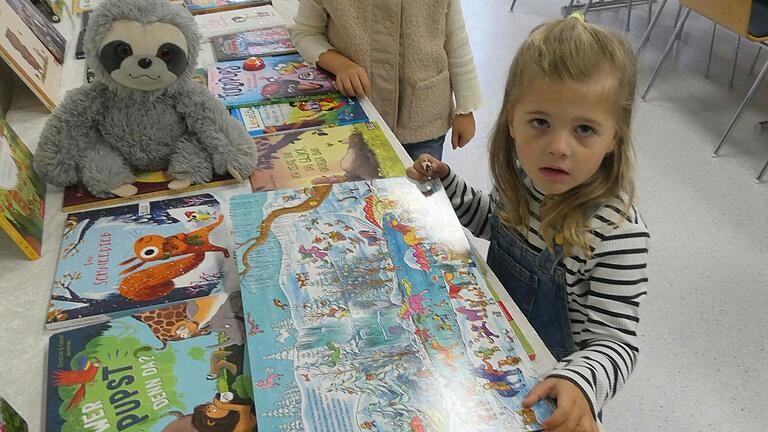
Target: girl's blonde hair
{"points": [[567, 50]]}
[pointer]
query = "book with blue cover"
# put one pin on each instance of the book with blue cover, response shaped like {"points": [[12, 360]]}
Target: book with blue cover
{"points": [[115, 261], [371, 304]]}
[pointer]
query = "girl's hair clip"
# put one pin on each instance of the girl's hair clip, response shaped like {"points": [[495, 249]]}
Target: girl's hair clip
{"points": [[579, 15]]}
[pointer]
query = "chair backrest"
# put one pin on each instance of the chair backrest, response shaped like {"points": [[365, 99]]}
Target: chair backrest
{"points": [[731, 14]]}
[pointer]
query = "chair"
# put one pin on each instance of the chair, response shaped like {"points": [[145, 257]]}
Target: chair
{"points": [[739, 17]]}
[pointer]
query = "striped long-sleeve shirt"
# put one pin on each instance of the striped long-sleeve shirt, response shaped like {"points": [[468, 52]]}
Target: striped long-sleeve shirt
{"points": [[604, 290]]}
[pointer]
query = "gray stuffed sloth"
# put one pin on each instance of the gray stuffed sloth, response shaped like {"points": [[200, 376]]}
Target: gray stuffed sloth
{"points": [[144, 112]]}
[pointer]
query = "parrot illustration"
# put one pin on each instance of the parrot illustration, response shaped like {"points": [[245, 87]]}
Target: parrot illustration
{"points": [[84, 375]]}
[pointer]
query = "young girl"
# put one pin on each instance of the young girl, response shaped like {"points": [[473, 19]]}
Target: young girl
{"points": [[566, 240], [410, 57]]}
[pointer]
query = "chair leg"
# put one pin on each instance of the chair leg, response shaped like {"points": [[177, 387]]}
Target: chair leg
{"points": [[568, 9], [678, 29], [762, 173], [677, 19], [744, 104], [651, 26], [735, 61], [711, 46], [754, 62], [512, 8], [650, 11], [629, 13]]}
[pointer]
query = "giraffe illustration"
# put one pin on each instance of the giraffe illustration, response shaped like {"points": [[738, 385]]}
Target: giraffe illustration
{"points": [[168, 323]]}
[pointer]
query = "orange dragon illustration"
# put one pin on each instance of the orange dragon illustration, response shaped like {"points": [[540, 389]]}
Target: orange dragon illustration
{"points": [[157, 281]]}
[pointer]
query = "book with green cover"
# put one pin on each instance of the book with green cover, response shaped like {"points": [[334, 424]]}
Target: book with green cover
{"points": [[175, 368], [22, 194], [329, 155]]}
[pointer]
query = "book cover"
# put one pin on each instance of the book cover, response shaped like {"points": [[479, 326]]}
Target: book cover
{"points": [[303, 114], [117, 260], [238, 20], [176, 368], [22, 194], [28, 57], [323, 156], [10, 420], [41, 27], [198, 7], [264, 42], [286, 77], [150, 184], [370, 302]]}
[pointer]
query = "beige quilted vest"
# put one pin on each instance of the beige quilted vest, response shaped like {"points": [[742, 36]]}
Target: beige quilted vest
{"points": [[401, 44]]}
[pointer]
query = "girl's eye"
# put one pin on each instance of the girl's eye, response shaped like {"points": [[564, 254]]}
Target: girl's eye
{"points": [[585, 130], [538, 123]]}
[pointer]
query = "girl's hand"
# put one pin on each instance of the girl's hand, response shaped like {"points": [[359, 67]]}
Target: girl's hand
{"points": [[463, 126], [427, 167], [351, 78], [572, 413]]}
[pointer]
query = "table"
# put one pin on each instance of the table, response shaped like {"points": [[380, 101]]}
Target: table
{"points": [[25, 285]]}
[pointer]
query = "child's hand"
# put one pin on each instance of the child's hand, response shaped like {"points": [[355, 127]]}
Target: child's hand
{"points": [[463, 129], [351, 78], [427, 167], [572, 413]]}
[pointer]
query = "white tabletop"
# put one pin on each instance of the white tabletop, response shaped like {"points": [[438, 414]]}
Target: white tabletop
{"points": [[25, 285]]}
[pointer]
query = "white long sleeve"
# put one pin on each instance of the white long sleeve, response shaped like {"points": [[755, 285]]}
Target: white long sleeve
{"points": [[308, 30], [461, 63]]}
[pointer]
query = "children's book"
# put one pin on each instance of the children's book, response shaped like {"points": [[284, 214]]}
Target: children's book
{"points": [[371, 304], [28, 57], [198, 7], [176, 368], [323, 156], [286, 77], [117, 260], [309, 113], [10, 420], [265, 42], [41, 27], [22, 194], [239, 20], [150, 185]]}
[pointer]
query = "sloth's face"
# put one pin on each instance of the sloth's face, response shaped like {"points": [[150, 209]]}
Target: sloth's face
{"points": [[144, 57]]}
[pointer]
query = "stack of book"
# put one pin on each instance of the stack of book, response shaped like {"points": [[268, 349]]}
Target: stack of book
{"points": [[330, 293]]}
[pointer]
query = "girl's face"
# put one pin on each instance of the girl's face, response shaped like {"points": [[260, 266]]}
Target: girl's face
{"points": [[563, 130]]}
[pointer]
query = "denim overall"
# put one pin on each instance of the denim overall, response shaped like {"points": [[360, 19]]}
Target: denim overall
{"points": [[536, 282]]}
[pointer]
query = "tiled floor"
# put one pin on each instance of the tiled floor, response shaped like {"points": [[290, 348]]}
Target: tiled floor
{"points": [[704, 323]]}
